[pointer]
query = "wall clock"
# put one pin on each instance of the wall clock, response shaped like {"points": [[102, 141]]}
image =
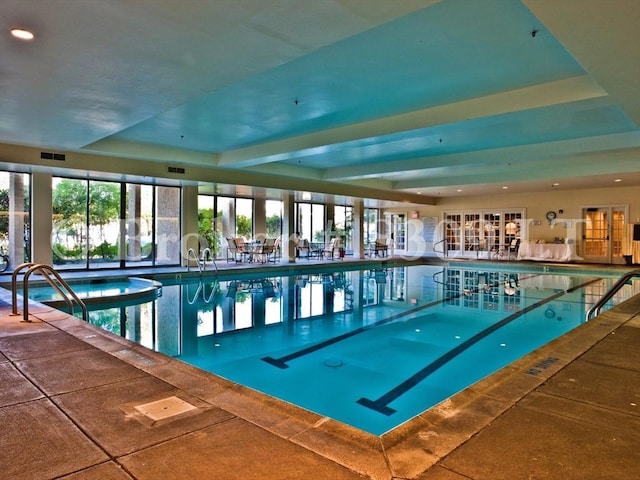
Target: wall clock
{"points": [[551, 216]]}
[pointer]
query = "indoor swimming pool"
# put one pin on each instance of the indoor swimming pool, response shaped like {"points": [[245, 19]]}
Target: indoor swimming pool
{"points": [[370, 348]]}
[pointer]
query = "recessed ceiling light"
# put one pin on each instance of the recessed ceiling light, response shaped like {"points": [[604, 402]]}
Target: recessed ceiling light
{"points": [[22, 34], [459, 190], [618, 180], [505, 187], [555, 184], [418, 193]]}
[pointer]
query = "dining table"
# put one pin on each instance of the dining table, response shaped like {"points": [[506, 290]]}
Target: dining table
{"points": [[548, 252]]}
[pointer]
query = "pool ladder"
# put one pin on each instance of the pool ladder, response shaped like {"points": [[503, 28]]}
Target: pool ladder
{"points": [[53, 278], [445, 251], [609, 295], [202, 260]]}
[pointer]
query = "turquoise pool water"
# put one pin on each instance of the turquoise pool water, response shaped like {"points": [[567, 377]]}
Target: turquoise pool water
{"points": [[98, 293], [370, 348]]}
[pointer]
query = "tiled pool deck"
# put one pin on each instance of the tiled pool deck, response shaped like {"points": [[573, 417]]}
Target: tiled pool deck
{"points": [[69, 392]]}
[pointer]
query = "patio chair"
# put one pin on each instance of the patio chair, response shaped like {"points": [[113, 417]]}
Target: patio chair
{"points": [[303, 248], [266, 251], [236, 250], [277, 250], [513, 248], [380, 247], [231, 249], [333, 247]]}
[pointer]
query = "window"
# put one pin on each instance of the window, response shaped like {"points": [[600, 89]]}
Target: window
{"points": [[310, 221], [273, 210], [482, 233], [103, 226], [15, 223], [139, 208], [343, 225], [70, 230], [371, 217], [99, 224]]}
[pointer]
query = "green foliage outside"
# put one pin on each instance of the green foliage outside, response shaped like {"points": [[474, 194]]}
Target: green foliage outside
{"points": [[244, 227], [105, 251], [69, 200], [206, 230], [4, 207], [274, 226]]}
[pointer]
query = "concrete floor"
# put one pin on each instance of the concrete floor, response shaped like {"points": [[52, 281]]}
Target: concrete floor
{"points": [[74, 405]]}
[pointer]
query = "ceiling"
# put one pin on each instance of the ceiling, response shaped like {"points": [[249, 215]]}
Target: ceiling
{"points": [[437, 98]]}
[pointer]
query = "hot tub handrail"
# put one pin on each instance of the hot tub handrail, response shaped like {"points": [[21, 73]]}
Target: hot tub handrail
{"points": [[14, 285], [69, 296], [622, 281]]}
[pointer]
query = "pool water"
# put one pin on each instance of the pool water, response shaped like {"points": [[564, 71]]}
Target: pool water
{"points": [[370, 348], [97, 293]]}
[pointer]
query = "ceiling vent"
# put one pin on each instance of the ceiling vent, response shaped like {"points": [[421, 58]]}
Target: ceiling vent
{"points": [[179, 170], [53, 156]]}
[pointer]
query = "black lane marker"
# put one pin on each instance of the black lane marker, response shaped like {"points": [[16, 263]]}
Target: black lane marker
{"points": [[381, 404], [281, 362]]}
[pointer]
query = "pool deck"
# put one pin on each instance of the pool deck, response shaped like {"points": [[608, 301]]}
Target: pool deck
{"points": [[74, 405]]}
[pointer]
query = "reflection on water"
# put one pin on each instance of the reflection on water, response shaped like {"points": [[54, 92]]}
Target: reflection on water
{"points": [[198, 308]]}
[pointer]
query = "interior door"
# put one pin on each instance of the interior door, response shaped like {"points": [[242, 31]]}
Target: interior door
{"points": [[398, 229], [602, 234]]}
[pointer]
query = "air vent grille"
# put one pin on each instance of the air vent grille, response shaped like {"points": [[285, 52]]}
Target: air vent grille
{"points": [[53, 156]]}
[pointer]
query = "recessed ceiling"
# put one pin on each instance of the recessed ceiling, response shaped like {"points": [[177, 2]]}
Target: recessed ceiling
{"points": [[444, 98]]}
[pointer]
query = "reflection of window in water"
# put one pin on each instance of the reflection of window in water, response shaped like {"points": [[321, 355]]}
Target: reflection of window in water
{"points": [[395, 284]]}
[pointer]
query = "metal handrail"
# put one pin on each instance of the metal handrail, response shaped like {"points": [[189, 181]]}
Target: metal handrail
{"points": [[192, 253], [211, 257], [622, 281], [202, 265], [444, 251], [45, 270], [14, 283]]}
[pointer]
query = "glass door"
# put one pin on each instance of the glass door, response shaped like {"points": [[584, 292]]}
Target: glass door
{"points": [[603, 229], [397, 226]]}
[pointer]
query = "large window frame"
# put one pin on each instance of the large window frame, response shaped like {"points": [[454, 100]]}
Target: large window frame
{"points": [[100, 224], [311, 221], [476, 233]]}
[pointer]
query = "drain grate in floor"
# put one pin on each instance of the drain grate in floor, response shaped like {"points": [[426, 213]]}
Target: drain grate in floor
{"points": [[165, 408]]}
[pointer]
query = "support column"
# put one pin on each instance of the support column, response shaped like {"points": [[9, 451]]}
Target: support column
{"points": [[189, 227], [358, 228], [288, 222], [134, 199], [260, 218], [41, 218]]}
